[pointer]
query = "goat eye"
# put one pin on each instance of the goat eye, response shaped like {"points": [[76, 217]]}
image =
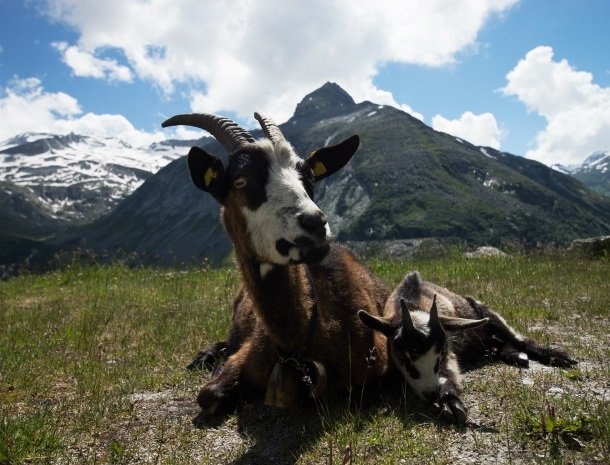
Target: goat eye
{"points": [[240, 183]]}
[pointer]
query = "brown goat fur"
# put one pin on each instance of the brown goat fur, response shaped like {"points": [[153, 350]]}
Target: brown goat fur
{"points": [[352, 354], [295, 314]]}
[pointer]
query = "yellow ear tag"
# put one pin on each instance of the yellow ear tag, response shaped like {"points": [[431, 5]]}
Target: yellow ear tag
{"points": [[209, 176], [319, 169]]}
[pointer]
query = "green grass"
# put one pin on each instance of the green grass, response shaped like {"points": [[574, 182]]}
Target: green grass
{"points": [[92, 372]]}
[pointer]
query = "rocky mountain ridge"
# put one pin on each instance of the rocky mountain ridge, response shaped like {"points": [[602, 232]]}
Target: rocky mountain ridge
{"points": [[594, 171], [76, 179], [407, 181]]}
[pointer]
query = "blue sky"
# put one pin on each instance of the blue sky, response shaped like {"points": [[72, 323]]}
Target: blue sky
{"points": [[531, 77]]}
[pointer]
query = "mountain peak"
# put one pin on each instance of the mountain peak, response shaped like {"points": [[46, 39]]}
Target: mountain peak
{"points": [[329, 100], [595, 158]]}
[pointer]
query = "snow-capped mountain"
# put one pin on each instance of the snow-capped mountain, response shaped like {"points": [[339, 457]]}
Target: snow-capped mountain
{"points": [[594, 171], [76, 178], [596, 161], [407, 181]]}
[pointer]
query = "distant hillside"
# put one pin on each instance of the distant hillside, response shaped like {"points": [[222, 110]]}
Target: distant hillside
{"points": [[75, 179], [406, 181], [165, 221]]}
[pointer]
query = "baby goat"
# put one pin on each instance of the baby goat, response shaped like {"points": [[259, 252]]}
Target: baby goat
{"points": [[428, 359]]}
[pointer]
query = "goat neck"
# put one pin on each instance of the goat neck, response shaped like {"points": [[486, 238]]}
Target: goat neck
{"points": [[283, 301]]}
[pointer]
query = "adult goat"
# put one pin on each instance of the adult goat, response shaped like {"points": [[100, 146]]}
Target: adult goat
{"points": [[294, 315]]}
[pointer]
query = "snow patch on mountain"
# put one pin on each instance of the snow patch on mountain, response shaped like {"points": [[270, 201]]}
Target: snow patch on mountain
{"points": [[598, 161], [79, 178]]}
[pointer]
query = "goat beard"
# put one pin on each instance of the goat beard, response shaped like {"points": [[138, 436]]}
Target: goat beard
{"points": [[313, 255]]}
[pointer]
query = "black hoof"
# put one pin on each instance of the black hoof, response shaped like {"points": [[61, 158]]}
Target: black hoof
{"points": [[563, 361], [515, 358], [202, 421], [209, 358], [453, 412]]}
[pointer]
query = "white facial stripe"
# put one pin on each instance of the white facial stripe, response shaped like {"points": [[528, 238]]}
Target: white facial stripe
{"points": [[277, 217], [428, 380], [421, 320]]}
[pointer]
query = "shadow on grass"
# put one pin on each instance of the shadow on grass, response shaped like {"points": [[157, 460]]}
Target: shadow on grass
{"points": [[281, 436]]}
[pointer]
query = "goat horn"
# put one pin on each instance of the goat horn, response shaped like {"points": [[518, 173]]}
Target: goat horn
{"points": [[230, 135], [270, 129]]}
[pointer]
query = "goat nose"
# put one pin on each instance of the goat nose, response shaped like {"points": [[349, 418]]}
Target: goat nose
{"points": [[313, 223]]}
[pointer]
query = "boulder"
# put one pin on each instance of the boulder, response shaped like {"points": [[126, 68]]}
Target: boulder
{"points": [[485, 252], [591, 246]]}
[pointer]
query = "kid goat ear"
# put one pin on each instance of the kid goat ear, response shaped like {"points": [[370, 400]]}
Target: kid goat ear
{"points": [[376, 323]]}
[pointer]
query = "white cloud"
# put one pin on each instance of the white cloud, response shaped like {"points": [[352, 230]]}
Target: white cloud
{"points": [[267, 54], [477, 129], [26, 107], [576, 109], [86, 64], [182, 132]]}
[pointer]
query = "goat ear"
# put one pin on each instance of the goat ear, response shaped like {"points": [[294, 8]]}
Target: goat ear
{"points": [[407, 321], [460, 324], [328, 160], [207, 171], [435, 324], [376, 323]]}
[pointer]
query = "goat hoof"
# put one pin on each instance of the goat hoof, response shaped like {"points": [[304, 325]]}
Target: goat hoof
{"points": [[453, 411], [209, 358], [205, 421], [563, 361], [515, 358], [200, 420], [459, 412], [522, 360]]}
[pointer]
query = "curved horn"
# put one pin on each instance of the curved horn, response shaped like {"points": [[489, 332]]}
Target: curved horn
{"points": [[270, 129], [230, 135]]}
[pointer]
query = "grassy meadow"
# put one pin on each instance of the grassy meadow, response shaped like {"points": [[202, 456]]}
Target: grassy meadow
{"points": [[92, 372]]}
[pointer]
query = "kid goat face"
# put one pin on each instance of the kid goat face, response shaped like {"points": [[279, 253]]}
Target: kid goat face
{"points": [[419, 346]]}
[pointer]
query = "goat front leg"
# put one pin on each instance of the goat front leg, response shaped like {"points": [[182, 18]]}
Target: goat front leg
{"points": [[217, 397], [210, 358], [452, 408]]}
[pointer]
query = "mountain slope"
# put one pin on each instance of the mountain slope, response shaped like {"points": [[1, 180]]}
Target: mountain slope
{"points": [[406, 181], [76, 179], [165, 221]]}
